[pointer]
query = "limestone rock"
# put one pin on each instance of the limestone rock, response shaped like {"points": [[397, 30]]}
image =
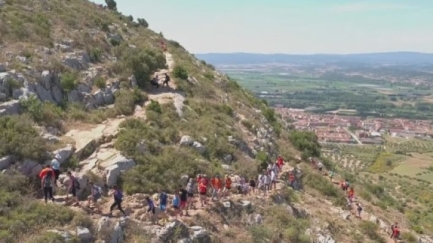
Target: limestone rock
{"points": [[65, 153], [200, 235], [5, 162], [116, 165], [84, 234], [77, 60], [186, 141], [175, 229], [30, 168], [2, 68], [199, 147], [12, 107], [3, 97]]}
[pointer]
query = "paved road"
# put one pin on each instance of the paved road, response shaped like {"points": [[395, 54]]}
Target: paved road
{"points": [[353, 135]]}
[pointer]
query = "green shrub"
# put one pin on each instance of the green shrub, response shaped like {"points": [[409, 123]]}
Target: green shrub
{"points": [[100, 83], [408, 237], [143, 23], [47, 114], [141, 63], [125, 102], [95, 55], [306, 142], [162, 171], [370, 229], [248, 125], [23, 216], [180, 72], [324, 186], [154, 106], [68, 81], [19, 138]]}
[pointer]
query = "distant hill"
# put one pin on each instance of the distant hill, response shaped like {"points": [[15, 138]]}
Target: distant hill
{"points": [[253, 58]]}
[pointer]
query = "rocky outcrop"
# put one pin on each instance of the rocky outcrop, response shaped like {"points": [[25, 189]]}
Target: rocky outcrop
{"points": [[188, 141], [65, 153], [115, 166], [12, 107], [172, 231], [6, 162], [29, 168], [78, 60]]}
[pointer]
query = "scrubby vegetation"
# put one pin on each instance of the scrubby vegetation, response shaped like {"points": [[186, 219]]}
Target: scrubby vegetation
{"points": [[306, 142], [19, 214], [19, 138]]}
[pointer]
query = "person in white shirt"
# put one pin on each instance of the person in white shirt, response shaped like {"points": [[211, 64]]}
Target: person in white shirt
{"points": [[55, 166], [273, 180]]}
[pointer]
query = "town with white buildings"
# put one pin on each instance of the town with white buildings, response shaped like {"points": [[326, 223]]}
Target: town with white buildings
{"points": [[333, 128]]}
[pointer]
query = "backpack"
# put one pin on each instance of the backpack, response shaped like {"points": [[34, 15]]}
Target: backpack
{"points": [[47, 181], [76, 183], [118, 194]]}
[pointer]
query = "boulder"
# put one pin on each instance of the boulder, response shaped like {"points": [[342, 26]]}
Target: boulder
{"points": [[74, 96], [12, 107], [170, 231], [50, 138], [200, 235], [3, 97], [258, 219], [117, 235], [186, 141], [77, 60], [2, 68], [83, 234], [30, 168], [6, 162], [65, 153], [43, 94], [325, 239], [228, 158], [199, 147], [373, 219], [118, 164]]}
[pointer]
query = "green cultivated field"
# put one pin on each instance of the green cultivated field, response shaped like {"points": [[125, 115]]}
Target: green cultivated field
{"points": [[329, 93]]}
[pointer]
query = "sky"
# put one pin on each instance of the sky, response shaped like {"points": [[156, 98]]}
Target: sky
{"points": [[289, 26]]}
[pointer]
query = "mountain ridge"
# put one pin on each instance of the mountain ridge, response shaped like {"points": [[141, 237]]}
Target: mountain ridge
{"points": [[402, 57]]}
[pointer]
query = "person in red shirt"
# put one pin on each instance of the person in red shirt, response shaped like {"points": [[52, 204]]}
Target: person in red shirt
{"points": [[350, 196], [45, 171], [280, 162], [202, 190], [395, 235]]}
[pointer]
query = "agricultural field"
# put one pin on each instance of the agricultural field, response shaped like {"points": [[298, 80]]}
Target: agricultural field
{"points": [[403, 145], [303, 88], [352, 157]]}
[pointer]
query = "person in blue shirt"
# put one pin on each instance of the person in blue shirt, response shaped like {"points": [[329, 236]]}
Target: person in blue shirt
{"points": [[163, 203], [118, 198], [55, 166], [150, 208], [176, 204]]}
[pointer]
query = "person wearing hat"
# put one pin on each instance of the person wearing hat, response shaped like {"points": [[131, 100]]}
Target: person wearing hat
{"points": [[55, 166]]}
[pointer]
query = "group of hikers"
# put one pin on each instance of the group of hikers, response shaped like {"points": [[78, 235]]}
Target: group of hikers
{"points": [[350, 196], [216, 188], [155, 80]]}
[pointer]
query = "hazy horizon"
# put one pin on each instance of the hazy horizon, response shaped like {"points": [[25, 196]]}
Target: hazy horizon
{"points": [[289, 26]]}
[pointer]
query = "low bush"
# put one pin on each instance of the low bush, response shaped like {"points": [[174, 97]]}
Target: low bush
{"points": [[100, 83], [69, 81], [163, 171], [19, 138], [370, 230], [95, 55], [324, 186], [180, 72], [47, 113], [306, 142], [22, 216]]}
